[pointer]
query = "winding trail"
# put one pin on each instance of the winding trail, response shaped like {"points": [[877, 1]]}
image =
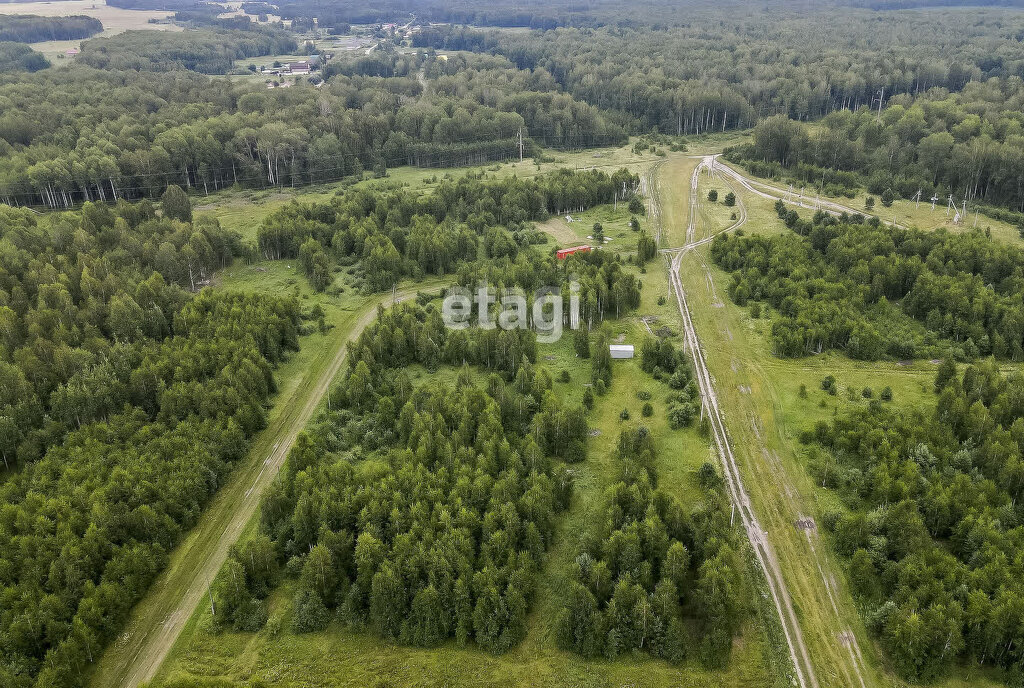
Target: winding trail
{"points": [[771, 192], [756, 534], [158, 619]]}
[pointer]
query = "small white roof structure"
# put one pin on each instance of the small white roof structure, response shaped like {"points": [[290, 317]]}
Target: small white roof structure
{"points": [[621, 350]]}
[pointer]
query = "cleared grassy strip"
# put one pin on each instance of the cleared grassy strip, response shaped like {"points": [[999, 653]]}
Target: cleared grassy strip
{"points": [[829, 667], [902, 212], [158, 619], [764, 410], [675, 184]]}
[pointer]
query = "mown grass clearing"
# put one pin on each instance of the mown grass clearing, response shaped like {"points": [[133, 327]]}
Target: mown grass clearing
{"points": [[906, 212], [675, 178], [614, 222], [766, 411]]}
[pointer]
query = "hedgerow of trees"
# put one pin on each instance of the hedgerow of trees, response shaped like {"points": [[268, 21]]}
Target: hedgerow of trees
{"points": [[19, 57], [209, 52], [30, 28]]}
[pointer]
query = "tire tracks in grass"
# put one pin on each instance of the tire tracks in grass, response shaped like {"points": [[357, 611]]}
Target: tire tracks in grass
{"points": [[158, 619], [757, 536]]}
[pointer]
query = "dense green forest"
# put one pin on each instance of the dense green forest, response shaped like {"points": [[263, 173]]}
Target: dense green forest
{"points": [[110, 363], [29, 28], [538, 14], [125, 400], [419, 513], [568, 88], [74, 292], [20, 57], [878, 291], [406, 234], [969, 144], [208, 52], [715, 73], [654, 576], [420, 508], [930, 527], [141, 132]]}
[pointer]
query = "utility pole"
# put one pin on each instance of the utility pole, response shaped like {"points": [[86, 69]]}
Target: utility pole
{"points": [[520, 144], [881, 97]]}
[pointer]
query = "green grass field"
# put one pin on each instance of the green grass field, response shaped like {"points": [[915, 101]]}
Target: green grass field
{"points": [[614, 221], [765, 413], [243, 211], [713, 216]]}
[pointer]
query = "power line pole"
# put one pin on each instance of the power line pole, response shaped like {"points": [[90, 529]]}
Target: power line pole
{"points": [[881, 98], [520, 144]]}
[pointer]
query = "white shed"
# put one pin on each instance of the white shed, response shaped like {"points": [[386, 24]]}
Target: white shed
{"points": [[621, 350]]}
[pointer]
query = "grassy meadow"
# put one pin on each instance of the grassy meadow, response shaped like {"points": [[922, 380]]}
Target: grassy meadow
{"points": [[768, 402]]}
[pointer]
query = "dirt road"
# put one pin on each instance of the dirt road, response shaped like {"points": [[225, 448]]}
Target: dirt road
{"points": [[756, 534], [771, 192], [159, 618]]}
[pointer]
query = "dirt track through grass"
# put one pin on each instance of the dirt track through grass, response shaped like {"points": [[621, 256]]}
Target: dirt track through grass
{"points": [[158, 619], [757, 536], [836, 629]]}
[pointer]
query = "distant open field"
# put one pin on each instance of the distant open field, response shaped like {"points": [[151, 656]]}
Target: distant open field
{"points": [[115, 20]]}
